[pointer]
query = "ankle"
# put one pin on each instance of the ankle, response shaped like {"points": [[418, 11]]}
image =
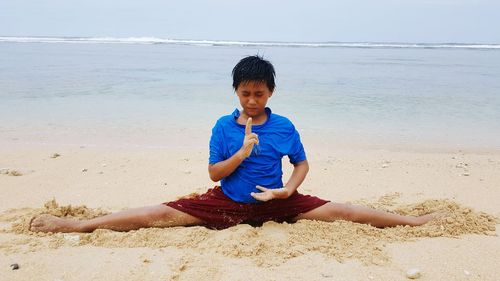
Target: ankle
{"points": [[81, 226]]}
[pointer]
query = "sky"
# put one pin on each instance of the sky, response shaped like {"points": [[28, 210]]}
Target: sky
{"points": [[422, 21]]}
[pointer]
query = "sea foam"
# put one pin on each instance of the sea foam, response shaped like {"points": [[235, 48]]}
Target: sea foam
{"points": [[155, 40]]}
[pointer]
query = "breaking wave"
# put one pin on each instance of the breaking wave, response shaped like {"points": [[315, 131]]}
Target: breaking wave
{"points": [[155, 40]]}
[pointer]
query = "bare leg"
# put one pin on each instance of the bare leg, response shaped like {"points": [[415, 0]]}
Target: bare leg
{"points": [[153, 216], [334, 211]]}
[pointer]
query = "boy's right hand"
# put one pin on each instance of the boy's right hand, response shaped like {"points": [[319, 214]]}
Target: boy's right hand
{"points": [[249, 141]]}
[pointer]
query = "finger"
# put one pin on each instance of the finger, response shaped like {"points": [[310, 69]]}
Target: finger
{"points": [[254, 139], [248, 127], [261, 188], [258, 196], [254, 135], [252, 142], [249, 145]]}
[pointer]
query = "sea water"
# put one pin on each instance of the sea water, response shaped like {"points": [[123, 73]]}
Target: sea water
{"points": [[149, 92]]}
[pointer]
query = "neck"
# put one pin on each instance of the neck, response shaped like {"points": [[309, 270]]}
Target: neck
{"points": [[256, 120]]}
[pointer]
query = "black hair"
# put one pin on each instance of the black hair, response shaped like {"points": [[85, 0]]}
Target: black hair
{"points": [[254, 68]]}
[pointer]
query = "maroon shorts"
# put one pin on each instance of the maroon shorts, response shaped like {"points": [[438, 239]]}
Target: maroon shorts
{"points": [[218, 211]]}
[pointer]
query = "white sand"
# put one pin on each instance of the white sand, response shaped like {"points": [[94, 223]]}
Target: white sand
{"points": [[117, 178]]}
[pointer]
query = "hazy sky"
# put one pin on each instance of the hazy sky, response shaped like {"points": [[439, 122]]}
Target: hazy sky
{"points": [[464, 21]]}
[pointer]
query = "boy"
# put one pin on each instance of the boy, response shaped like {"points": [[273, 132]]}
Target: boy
{"points": [[246, 148]]}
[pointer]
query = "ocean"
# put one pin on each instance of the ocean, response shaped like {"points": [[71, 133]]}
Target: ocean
{"points": [[152, 92]]}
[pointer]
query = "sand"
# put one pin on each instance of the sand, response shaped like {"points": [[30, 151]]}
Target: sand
{"points": [[88, 181]]}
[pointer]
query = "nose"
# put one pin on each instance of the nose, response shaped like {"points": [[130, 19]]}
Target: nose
{"points": [[251, 101]]}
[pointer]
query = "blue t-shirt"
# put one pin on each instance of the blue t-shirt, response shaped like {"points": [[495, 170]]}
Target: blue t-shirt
{"points": [[277, 138]]}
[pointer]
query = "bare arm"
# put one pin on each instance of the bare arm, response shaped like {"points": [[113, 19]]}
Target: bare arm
{"points": [[299, 173], [224, 168]]}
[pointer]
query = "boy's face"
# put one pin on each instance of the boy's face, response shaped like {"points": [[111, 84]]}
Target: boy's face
{"points": [[253, 97]]}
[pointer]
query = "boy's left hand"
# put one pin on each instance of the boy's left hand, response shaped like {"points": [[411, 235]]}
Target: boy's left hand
{"points": [[269, 194]]}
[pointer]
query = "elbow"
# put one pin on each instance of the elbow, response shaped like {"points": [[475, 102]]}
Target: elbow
{"points": [[212, 174], [214, 179]]}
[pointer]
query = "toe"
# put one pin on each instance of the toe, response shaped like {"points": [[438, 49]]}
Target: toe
{"points": [[33, 223]]}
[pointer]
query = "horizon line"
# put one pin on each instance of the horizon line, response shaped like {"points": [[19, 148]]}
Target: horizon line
{"points": [[263, 43]]}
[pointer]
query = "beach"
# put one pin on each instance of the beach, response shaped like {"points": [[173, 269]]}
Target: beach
{"points": [[110, 179], [89, 129]]}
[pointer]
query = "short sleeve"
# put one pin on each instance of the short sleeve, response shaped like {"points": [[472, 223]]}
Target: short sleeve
{"points": [[216, 145], [296, 152]]}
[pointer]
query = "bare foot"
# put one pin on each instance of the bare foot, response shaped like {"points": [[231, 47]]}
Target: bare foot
{"points": [[50, 223], [427, 218]]}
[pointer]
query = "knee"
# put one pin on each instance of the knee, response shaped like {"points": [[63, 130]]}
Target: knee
{"points": [[343, 211]]}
